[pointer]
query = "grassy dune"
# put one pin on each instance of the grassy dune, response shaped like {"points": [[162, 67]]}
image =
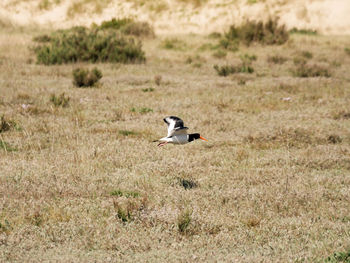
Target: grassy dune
{"points": [[84, 183]]}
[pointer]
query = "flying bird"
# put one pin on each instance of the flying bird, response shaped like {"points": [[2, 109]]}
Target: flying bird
{"points": [[177, 132]]}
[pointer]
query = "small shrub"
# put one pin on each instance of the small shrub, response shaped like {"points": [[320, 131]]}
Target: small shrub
{"points": [[60, 101], [268, 33], [276, 59], [230, 69], [83, 44], [6, 125], [188, 183], [334, 139], [86, 78], [184, 221], [114, 23], [231, 45], [303, 31], [304, 70]]}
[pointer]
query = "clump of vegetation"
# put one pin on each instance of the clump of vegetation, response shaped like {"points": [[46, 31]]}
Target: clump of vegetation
{"points": [[128, 26], [6, 125], [85, 77], [184, 221], [231, 69], [276, 59], [220, 53], [142, 110], [127, 194], [7, 147], [306, 54], [187, 183], [333, 138], [173, 43], [229, 44], [60, 101], [339, 257], [304, 70], [148, 89], [269, 33], [90, 45], [295, 30], [347, 50]]}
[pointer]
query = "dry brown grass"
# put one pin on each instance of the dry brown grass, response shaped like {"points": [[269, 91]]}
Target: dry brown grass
{"points": [[271, 185]]}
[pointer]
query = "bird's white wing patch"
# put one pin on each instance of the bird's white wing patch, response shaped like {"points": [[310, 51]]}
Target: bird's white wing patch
{"points": [[175, 126]]}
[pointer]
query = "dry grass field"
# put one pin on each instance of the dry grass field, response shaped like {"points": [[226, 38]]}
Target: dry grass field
{"points": [[85, 183]]}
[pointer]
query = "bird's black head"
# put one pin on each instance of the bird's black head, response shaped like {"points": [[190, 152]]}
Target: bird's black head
{"points": [[195, 136]]}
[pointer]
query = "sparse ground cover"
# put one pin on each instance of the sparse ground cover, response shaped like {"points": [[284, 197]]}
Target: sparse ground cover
{"points": [[81, 181]]}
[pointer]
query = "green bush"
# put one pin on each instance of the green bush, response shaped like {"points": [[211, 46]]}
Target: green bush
{"points": [[90, 45], [231, 69], [86, 78], [269, 33]]}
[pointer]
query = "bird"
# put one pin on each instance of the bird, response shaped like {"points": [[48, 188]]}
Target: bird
{"points": [[177, 132]]}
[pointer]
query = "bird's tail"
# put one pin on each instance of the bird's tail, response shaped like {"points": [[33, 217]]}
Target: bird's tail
{"points": [[155, 141]]}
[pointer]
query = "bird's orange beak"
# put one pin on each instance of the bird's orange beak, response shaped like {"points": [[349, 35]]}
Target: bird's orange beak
{"points": [[203, 138]]}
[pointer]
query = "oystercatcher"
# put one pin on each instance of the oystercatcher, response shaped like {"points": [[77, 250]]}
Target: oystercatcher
{"points": [[177, 132]]}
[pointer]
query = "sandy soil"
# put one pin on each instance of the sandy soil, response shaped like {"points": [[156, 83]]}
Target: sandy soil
{"points": [[177, 17]]}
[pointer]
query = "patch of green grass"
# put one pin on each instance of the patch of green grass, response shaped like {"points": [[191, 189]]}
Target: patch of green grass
{"points": [[60, 101], [303, 31], [184, 221], [86, 78], [343, 257], [7, 147], [125, 193], [89, 45]]}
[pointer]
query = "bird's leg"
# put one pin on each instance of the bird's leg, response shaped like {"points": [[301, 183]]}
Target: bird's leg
{"points": [[162, 144]]}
